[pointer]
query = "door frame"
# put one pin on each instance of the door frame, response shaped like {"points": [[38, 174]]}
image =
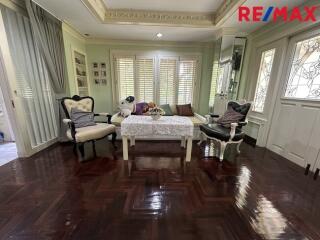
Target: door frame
{"points": [[264, 119], [281, 99]]}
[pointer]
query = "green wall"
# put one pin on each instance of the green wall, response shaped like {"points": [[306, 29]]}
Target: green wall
{"points": [[100, 52], [71, 41]]}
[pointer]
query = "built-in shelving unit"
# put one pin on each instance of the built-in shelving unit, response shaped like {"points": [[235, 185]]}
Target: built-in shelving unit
{"points": [[81, 73]]}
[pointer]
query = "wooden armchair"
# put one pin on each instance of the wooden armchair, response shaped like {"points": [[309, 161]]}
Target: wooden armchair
{"points": [[80, 136], [224, 135]]}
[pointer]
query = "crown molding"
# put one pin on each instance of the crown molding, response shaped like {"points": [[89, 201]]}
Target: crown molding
{"points": [[97, 8], [125, 16], [15, 5], [226, 9], [116, 42], [145, 17], [69, 29]]}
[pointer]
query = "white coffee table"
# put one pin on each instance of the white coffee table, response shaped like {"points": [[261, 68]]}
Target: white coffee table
{"points": [[136, 125]]}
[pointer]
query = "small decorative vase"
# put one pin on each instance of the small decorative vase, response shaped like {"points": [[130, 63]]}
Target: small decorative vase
{"points": [[155, 117]]}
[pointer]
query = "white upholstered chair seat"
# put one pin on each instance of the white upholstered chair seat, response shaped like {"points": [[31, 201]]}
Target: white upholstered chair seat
{"points": [[97, 131]]}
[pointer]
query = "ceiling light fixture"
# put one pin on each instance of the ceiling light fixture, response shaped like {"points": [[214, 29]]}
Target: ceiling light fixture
{"points": [[159, 35]]}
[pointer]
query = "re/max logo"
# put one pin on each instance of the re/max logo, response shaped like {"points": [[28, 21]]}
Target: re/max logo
{"points": [[258, 13]]}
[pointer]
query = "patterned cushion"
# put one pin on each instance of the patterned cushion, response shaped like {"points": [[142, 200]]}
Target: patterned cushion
{"points": [[82, 118], [230, 116], [185, 110], [85, 104]]}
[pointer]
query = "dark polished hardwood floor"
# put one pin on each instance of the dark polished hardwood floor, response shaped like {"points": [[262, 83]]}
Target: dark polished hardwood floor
{"points": [[155, 195]]}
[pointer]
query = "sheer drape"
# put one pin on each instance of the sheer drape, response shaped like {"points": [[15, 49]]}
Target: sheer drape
{"points": [[47, 32], [33, 82]]}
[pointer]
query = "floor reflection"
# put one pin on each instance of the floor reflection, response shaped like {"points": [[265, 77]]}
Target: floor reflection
{"points": [[268, 221], [243, 186]]}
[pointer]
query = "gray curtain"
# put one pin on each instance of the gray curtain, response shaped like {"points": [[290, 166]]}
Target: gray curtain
{"points": [[47, 32], [33, 81], [48, 35]]}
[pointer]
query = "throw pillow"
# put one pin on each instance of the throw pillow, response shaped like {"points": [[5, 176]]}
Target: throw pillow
{"points": [[230, 116], [166, 108], [82, 118], [141, 108], [185, 110]]}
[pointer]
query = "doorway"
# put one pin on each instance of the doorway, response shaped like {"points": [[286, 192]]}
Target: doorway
{"points": [[8, 147]]}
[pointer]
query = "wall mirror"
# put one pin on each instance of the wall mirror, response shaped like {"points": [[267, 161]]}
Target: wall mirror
{"points": [[230, 65]]}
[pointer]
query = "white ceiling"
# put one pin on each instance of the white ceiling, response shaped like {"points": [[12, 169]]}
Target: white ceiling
{"points": [[77, 15], [167, 5]]}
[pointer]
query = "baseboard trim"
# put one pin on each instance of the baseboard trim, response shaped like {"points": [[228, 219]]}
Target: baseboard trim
{"points": [[250, 140]]}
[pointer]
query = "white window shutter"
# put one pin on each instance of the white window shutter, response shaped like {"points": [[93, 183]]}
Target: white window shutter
{"points": [[145, 79], [168, 81], [125, 76], [187, 79]]}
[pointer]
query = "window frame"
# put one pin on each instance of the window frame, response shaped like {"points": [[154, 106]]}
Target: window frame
{"points": [[289, 59], [157, 55], [267, 49]]}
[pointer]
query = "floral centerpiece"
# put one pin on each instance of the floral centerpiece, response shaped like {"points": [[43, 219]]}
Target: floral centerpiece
{"points": [[156, 113]]}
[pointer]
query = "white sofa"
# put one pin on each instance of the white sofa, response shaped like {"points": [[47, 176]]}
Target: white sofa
{"points": [[197, 120]]}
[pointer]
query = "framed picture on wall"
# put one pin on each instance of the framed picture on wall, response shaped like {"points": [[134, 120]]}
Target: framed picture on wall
{"points": [[99, 73], [103, 81]]}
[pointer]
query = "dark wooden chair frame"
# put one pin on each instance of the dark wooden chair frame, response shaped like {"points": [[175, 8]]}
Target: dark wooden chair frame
{"points": [[80, 145]]}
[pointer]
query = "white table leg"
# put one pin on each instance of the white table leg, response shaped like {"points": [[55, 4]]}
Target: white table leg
{"points": [[183, 141], [189, 149], [132, 141], [125, 148]]}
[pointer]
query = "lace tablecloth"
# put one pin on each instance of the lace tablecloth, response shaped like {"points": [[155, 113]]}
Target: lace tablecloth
{"points": [[135, 125]]}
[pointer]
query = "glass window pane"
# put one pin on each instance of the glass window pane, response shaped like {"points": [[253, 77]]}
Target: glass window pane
{"points": [[304, 78], [263, 80]]}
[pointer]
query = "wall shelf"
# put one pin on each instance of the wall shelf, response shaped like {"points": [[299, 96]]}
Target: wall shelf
{"points": [[81, 73]]}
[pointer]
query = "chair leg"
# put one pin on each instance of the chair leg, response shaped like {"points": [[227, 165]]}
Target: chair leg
{"points": [[223, 146], [113, 140], [81, 150], [75, 148], [94, 148], [202, 138], [238, 147]]}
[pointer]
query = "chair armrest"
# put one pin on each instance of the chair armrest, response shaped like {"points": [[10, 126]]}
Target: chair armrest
{"points": [[242, 124], [104, 115], [71, 126], [214, 115], [200, 117], [66, 120], [233, 130]]}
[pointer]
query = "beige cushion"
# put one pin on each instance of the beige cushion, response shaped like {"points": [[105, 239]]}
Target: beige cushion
{"points": [[83, 105], [173, 109], [97, 131], [196, 121], [116, 119]]}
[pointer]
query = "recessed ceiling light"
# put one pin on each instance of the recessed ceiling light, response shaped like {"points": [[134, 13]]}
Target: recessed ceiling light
{"points": [[159, 35]]}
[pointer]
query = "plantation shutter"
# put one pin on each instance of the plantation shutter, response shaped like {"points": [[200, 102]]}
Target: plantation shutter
{"points": [[125, 76], [168, 80], [186, 80], [145, 79]]}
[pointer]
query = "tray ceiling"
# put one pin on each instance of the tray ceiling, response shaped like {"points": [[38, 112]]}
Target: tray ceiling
{"points": [[143, 19], [166, 5]]}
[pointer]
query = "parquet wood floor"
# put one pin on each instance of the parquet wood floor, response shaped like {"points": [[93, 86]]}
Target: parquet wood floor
{"points": [[156, 195]]}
